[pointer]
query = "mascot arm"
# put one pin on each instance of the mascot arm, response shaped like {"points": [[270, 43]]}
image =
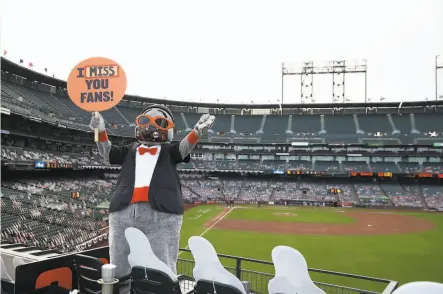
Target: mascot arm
{"points": [[188, 143], [104, 146], [111, 154]]}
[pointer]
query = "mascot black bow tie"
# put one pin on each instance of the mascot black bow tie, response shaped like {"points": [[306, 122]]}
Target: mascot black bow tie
{"points": [[148, 192]]}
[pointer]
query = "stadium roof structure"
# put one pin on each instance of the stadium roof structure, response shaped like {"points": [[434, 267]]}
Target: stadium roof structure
{"points": [[16, 69]]}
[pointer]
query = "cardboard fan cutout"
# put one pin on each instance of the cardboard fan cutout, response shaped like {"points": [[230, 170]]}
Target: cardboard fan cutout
{"points": [[291, 273]]}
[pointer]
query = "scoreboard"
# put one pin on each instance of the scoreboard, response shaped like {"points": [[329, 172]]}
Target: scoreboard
{"points": [[305, 172], [51, 165], [385, 174], [363, 174], [335, 190], [427, 175]]}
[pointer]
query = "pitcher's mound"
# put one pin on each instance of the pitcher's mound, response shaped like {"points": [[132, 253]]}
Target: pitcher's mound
{"points": [[284, 214]]}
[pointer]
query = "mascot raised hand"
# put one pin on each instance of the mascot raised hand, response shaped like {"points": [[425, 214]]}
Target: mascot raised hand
{"points": [[148, 192]]}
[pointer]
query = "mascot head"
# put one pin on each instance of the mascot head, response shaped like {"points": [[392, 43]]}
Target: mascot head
{"points": [[155, 125]]}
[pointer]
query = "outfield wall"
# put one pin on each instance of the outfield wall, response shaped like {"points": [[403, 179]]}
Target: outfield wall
{"points": [[291, 202]]}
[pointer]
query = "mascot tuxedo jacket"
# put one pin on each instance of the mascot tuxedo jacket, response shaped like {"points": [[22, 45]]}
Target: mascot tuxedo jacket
{"points": [[155, 179]]}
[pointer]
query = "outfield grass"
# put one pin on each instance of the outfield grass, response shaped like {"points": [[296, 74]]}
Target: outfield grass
{"points": [[194, 220], [401, 257], [311, 215]]}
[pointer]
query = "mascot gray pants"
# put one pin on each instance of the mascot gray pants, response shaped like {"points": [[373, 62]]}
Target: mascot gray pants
{"points": [[162, 230]]}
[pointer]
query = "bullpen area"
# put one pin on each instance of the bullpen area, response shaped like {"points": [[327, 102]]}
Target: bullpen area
{"points": [[396, 245]]}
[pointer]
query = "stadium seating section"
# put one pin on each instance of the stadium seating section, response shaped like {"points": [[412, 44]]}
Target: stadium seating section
{"points": [[14, 153], [388, 128], [42, 211]]}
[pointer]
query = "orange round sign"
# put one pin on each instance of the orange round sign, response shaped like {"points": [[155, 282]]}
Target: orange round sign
{"points": [[97, 84]]}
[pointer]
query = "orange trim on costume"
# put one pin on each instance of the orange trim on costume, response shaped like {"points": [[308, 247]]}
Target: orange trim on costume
{"points": [[140, 194], [102, 136], [193, 138]]}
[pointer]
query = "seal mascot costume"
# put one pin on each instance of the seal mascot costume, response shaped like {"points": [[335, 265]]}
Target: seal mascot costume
{"points": [[148, 194]]}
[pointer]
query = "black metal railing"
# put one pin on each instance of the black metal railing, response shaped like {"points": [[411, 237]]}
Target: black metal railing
{"points": [[259, 279]]}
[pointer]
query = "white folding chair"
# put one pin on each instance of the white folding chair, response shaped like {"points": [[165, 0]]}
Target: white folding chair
{"points": [[209, 270], [291, 273]]}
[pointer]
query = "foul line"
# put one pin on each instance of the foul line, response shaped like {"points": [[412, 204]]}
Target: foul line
{"points": [[217, 220]]}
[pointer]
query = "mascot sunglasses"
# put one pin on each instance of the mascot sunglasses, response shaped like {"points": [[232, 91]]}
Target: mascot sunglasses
{"points": [[162, 123]]}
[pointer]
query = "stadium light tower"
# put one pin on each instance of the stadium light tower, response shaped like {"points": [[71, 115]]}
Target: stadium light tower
{"points": [[438, 68], [338, 69]]}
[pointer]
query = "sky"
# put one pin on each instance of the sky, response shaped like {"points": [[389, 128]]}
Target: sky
{"points": [[232, 51]]}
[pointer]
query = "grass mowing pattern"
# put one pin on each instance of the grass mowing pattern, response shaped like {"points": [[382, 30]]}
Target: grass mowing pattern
{"points": [[193, 224], [304, 215]]}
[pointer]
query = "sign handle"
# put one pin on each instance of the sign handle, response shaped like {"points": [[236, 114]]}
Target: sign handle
{"points": [[96, 129]]}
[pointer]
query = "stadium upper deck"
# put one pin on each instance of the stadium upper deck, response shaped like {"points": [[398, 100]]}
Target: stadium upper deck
{"points": [[43, 98]]}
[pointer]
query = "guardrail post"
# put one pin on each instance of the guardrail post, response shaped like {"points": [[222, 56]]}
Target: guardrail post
{"points": [[238, 268]]}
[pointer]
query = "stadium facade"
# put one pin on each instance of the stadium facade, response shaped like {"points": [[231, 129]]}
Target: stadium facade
{"points": [[384, 154], [376, 154]]}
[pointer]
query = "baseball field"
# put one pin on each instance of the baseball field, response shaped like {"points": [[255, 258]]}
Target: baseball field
{"points": [[396, 245]]}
